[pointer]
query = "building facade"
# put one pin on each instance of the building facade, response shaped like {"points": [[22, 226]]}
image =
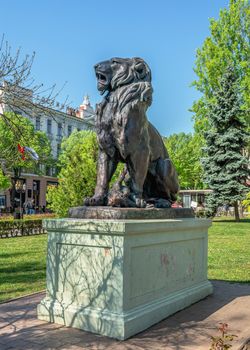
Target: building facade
{"points": [[193, 198], [57, 125]]}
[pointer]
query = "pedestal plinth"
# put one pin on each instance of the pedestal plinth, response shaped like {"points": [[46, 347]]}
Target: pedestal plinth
{"points": [[118, 277]]}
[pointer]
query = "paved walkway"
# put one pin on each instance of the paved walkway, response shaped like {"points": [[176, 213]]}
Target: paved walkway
{"points": [[189, 329]]}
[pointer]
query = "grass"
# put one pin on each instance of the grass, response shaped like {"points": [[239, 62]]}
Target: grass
{"points": [[22, 265], [229, 250], [22, 259]]}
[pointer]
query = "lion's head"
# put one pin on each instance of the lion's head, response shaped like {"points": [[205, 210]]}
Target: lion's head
{"points": [[118, 72]]}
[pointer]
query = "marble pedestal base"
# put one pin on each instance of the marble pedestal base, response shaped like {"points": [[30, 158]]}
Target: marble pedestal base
{"points": [[119, 277]]}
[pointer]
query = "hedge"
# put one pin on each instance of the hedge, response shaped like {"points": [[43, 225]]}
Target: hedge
{"points": [[16, 228]]}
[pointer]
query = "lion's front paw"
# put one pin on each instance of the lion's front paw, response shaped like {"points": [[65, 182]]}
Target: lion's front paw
{"points": [[139, 202], [94, 201]]}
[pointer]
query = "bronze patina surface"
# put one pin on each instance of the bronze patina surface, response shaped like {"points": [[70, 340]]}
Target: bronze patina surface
{"points": [[125, 135], [129, 213]]}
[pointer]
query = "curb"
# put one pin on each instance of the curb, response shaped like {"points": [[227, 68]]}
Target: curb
{"points": [[22, 296]]}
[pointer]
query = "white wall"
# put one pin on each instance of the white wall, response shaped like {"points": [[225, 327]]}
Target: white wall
{"points": [[65, 120]]}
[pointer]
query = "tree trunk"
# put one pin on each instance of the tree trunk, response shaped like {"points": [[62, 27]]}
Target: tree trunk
{"points": [[241, 210], [236, 211]]}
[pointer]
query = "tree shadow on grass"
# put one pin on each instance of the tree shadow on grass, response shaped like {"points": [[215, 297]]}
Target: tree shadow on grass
{"points": [[12, 255], [18, 280], [24, 277], [246, 220], [31, 265]]}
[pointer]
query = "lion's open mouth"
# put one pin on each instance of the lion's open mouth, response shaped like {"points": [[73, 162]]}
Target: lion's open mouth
{"points": [[102, 79]]}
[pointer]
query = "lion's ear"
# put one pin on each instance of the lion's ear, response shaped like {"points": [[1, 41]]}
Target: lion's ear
{"points": [[141, 69]]}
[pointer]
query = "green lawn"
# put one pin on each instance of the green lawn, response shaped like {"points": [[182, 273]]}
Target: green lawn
{"points": [[22, 259], [22, 265], [229, 250]]}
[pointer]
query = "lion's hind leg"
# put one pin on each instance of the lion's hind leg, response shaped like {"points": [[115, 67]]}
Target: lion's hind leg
{"points": [[167, 179], [137, 165]]}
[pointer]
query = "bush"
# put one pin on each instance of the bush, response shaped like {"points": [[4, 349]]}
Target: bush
{"points": [[246, 202], [14, 228], [77, 177]]}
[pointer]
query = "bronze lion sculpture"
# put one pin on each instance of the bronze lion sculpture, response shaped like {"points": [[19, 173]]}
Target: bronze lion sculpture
{"points": [[125, 135]]}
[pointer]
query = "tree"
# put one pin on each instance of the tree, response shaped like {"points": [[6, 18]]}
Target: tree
{"points": [[18, 91], [246, 201], [12, 160], [228, 44], [9, 141], [77, 176], [225, 167], [4, 181], [185, 150]]}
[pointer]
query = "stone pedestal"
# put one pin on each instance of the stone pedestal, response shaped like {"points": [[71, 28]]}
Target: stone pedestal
{"points": [[119, 277]]}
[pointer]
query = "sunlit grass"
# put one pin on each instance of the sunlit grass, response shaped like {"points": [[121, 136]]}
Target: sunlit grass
{"points": [[22, 265], [23, 259], [229, 250]]}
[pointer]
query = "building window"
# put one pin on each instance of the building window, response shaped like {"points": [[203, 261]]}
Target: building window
{"points": [[49, 126], [58, 149], [186, 201], [69, 130], [54, 171], [41, 167], [38, 123], [59, 129], [48, 170], [2, 201]]}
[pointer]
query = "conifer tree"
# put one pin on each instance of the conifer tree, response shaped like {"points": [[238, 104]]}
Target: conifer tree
{"points": [[225, 167]]}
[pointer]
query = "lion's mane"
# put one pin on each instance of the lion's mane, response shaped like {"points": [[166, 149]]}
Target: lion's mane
{"points": [[131, 84]]}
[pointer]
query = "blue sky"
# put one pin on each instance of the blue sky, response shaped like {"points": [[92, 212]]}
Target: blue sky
{"points": [[69, 37]]}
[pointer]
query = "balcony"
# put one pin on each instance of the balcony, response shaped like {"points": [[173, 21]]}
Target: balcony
{"points": [[59, 137], [50, 135]]}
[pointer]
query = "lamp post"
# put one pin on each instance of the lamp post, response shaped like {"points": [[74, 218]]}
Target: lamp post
{"points": [[16, 175], [20, 187]]}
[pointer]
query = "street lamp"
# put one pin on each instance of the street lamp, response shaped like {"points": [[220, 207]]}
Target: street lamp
{"points": [[20, 187]]}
